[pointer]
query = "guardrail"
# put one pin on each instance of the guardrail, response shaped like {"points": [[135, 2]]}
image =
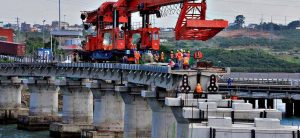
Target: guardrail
{"points": [[273, 81], [134, 67]]}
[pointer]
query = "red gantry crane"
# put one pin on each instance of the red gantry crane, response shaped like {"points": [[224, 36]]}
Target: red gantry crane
{"points": [[114, 31]]}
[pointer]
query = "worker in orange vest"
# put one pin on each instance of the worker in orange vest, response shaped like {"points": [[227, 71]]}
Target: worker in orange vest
{"points": [[179, 57], [186, 63], [137, 57], [199, 90], [162, 57]]}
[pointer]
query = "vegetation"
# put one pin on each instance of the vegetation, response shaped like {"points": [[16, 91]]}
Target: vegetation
{"points": [[250, 60]]}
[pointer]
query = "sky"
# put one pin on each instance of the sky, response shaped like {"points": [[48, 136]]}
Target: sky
{"points": [[35, 11]]}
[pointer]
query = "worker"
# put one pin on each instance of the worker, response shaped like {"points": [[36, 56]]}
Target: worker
{"points": [[137, 57], [179, 57], [186, 62], [189, 54], [125, 59], [172, 55], [156, 57], [198, 91], [162, 57], [171, 64]]}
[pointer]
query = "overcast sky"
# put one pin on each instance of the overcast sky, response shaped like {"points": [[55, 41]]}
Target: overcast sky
{"points": [[34, 11]]}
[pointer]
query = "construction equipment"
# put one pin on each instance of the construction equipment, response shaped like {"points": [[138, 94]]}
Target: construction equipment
{"points": [[115, 33]]}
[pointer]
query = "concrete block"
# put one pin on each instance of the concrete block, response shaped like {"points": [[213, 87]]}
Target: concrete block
{"points": [[146, 94], [238, 101], [242, 106], [185, 96], [190, 102], [121, 88], [219, 122], [214, 96], [190, 112], [172, 101], [207, 106], [60, 82], [272, 113], [270, 123]]}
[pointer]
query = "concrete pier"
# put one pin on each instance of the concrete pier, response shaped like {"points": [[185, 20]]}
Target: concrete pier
{"points": [[10, 100], [138, 114], [108, 111], [43, 107], [77, 110], [164, 124]]}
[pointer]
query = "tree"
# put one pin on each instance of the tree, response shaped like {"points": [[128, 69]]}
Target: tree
{"points": [[239, 21], [294, 24], [32, 44]]}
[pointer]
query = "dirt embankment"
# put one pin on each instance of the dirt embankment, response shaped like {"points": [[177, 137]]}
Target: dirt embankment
{"points": [[247, 33]]}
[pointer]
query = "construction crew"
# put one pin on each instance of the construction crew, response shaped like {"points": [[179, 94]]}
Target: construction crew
{"points": [[137, 57]]}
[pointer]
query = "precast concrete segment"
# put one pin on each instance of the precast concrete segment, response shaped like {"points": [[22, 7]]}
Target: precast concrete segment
{"points": [[43, 100], [109, 111], [163, 121], [10, 96], [77, 105], [137, 117]]}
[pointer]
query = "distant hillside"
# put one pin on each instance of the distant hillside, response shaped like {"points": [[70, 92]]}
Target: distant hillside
{"points": [[247, 33], [250, 60]]}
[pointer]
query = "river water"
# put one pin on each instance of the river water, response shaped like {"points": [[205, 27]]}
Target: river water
{"points": [[11, 131]]}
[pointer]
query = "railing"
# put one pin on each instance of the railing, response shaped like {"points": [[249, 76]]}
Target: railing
{"points": [[272, 81], [112, 66]]}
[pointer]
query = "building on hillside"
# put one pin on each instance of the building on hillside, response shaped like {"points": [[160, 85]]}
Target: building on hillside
{"points": [[63, 25], [25, 27]]}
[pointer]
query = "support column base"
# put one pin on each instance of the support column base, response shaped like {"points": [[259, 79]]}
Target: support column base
{"points": [[101, 134], [36, 123], [10, 116], [59, 130]]}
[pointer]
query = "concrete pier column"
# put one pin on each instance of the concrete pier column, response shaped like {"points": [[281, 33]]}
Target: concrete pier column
{"points": [[261, 103], [138, 114], [270, 103], [77, 105], [77, 109], [43, 106], [108, 111], [289, 109], [43, 100], [10, 100], [164, 124], [297, 108]]}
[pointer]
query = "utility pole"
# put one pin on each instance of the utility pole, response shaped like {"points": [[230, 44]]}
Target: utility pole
{"points": [[18, 35], [59, 15], [44, 33]]}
